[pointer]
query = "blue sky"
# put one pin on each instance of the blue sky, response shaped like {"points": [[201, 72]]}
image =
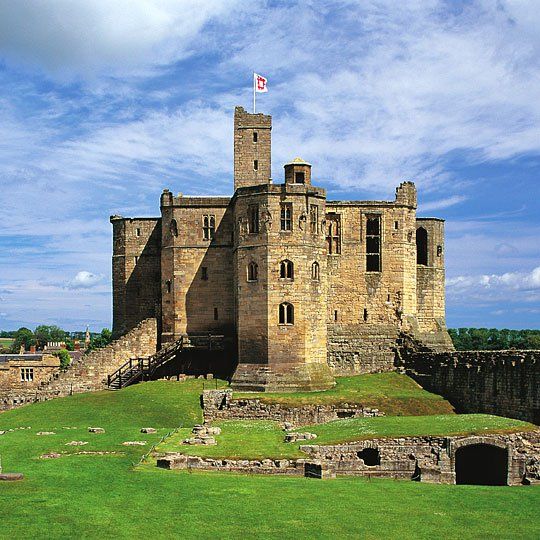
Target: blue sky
{"points": [[103, 104]]}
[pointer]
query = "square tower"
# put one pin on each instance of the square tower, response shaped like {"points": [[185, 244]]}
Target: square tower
{"points": [[252, 148]]}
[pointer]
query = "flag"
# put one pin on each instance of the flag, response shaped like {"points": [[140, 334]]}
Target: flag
{"points": [[259, 83]]}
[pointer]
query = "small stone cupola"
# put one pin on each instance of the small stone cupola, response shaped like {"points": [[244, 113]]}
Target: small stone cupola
{"points": [[298, 171]]}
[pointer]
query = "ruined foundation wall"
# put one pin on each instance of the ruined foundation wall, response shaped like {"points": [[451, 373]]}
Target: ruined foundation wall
{"points": [[90, 372], [505, 383], [218, 404]]}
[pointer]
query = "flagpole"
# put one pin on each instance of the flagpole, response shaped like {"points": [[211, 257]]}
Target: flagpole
{"points": [[253, 93]]}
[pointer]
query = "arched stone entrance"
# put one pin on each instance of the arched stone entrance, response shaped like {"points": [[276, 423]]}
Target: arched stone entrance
{"points": [[482, 464]]}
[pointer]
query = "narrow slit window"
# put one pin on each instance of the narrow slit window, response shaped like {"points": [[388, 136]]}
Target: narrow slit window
{"points": [[373, 244], [168, 286], [209, 226], [286, 313], [255, 164], [253, 219], [137, 231], [335, 316], [314, 219], [333, 233], [216, 315], [421, 246], [204, 273], [315, 271], [365, 315], [286, 216], [396, 225], [255, 136]]}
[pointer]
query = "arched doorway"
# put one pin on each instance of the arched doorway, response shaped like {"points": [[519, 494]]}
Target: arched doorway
{"points": [[482, 464]]}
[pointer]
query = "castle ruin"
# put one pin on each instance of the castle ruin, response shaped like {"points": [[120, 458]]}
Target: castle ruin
{"points": [[303, 286]]}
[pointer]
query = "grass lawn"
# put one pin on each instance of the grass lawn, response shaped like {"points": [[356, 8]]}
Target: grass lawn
{"points": [[6, 342], [258, 439], [393, 393], [103, 496]]}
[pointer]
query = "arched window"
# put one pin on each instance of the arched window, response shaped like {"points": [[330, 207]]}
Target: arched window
{"points": [[253, 271], [286, 270], [421, 246], [315, 274], [174, 227], [286, 313]]}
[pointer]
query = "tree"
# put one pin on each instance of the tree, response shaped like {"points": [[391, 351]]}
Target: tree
{"points": [[44, 334], [23, 336], [101, 340], [65, 359]]}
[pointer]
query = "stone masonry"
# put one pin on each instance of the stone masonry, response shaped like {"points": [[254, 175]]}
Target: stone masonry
{"points": [[219, 404], [90, 372], [506, 383], [510, 459], [306, 287]]}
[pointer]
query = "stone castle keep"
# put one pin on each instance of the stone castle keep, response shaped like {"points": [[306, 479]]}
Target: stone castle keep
{"points": [[304, 287]]}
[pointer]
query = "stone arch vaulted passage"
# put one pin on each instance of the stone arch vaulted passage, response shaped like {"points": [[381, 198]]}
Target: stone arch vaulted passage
{"points": [[482, 464]]}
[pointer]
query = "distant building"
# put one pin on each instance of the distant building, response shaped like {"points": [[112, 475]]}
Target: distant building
{"points": [[306, 286]]}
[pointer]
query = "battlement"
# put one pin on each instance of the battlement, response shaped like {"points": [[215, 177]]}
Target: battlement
{"points": [[406, 194]]}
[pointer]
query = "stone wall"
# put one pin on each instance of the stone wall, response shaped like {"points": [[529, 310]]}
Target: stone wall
{"points": [[505, 383], [43, 367], [136, 271], [89, 374], [354, 349], [428, 459], [291, 467], [425, 459], [218, 404]]}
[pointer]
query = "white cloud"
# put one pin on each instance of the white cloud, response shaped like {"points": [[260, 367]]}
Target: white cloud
{"points": [[84, 280], [516, 287], [441, 203], [79, 37]]}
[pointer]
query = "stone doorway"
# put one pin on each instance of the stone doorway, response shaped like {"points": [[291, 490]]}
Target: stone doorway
{"points": [[482, 464]]}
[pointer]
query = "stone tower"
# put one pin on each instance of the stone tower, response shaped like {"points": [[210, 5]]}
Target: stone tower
{"points": [[252, 148], [280, 271]]}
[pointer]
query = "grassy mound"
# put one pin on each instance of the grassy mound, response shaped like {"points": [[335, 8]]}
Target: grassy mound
{"points": [[393, 393], [103, 496], [256, 439]]}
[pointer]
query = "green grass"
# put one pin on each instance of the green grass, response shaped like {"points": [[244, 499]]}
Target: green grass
{"points": [[105, 497], [242, 439], [257, 439], [393, 393], [6, 343]]}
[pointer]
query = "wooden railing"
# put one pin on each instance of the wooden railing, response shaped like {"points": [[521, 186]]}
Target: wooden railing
{"points": [[136, 369]]}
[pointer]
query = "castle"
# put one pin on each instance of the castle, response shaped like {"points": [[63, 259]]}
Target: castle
{"points": [[304, 286]]}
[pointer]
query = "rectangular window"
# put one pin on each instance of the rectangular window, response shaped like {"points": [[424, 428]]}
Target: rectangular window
{"points": [[204, 273], [373, 244], [333, 233], [299, 178], [255, 136], [255, 164], [253, 213], [286, 216], [137, 232], [27, 374], [314, 219], [209, 226]]}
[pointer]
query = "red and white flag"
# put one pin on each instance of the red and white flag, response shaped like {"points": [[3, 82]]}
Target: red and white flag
{"points": [[259, 83]]}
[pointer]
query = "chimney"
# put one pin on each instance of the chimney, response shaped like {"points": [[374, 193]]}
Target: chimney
{"points": [[32, 349]]}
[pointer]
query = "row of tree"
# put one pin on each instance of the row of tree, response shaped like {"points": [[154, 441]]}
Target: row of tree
{"points": [[44, 334], [493, 339]]}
